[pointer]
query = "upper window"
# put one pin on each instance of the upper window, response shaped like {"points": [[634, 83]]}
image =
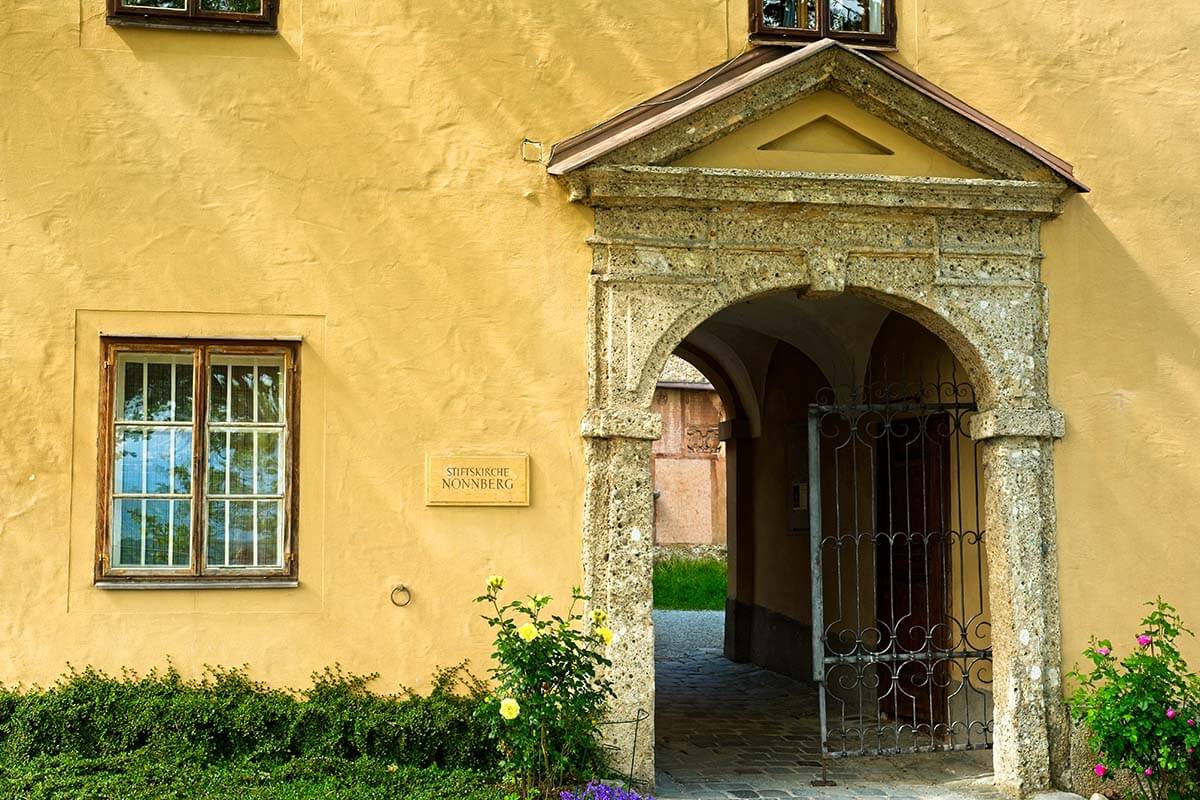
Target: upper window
{"points": [[856, 21], [197, 462], [251, 16]]}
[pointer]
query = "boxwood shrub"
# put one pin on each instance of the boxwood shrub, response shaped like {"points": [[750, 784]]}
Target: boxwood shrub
{"points": [[225, 716]]}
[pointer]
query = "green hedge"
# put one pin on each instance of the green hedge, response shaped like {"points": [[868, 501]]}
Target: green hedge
{"points": [[224, 716], [143, 776]]}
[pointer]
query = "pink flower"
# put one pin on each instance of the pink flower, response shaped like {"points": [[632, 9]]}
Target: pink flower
{"points": [[1100, 770], [1148, 772], [1192, 722], [1171, 713], [1191, 750], [1103, 651], [1144, 640]]}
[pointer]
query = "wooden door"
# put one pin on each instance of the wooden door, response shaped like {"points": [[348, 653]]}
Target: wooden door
{"points": [[911, 573]]}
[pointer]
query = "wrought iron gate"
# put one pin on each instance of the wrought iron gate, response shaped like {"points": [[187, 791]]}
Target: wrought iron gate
{"points": [[902, 645]]}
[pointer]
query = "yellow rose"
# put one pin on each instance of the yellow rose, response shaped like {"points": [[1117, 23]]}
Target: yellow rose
{"points": [[528, 631], [495, 582], [599, 617], [509, 708], [605, 634]]}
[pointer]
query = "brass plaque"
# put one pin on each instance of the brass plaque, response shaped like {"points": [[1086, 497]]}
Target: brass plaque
{"points": [[452, 480]]}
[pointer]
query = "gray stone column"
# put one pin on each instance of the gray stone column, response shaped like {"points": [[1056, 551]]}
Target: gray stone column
{"points": [[1022, 564], [618, 570]]}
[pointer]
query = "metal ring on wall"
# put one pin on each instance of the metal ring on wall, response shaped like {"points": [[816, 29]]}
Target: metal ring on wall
{"points": [[403, 590]]}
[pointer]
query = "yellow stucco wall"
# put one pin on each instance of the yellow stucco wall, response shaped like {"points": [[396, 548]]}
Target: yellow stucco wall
{"points": [[357, 180], [841, 137], [782, 577]]}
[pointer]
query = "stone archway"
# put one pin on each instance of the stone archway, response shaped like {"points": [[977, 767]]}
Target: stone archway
{"points": [[674, 245], [996, 330]]}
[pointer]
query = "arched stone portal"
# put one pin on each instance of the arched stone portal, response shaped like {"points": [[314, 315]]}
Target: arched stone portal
{"points": [[674, 245]]}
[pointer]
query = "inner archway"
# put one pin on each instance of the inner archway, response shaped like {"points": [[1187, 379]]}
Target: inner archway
{"points": [[905, 643]]}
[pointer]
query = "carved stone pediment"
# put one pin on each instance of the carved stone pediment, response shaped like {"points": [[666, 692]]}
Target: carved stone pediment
{"points": [[864, 105]]}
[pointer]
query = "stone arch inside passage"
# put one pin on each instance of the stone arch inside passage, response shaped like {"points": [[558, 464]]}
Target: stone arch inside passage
{"points": [[921, 493]]}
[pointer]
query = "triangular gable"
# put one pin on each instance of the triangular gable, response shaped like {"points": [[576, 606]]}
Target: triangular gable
{"points": [[667, 129], [825, 132]]}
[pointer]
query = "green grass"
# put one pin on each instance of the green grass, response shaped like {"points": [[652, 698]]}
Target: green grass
{"points": [[688, 585], [145, 776]]}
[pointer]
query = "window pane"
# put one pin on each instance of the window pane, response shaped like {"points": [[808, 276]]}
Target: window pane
{"points": [[241, 462], [183, 392], [158, 461], [171, 4], [181, 548], [245, 459], [790, 14], [859, 16], [218, 460], [268, 533], [232, 6], [127, 521], [216, 533], [218, 393], [241, 533], [158, 532], [159, 380], [132, 402], [268, 394], [181, 474], [268, 463], [127, 451], [242, 394]]}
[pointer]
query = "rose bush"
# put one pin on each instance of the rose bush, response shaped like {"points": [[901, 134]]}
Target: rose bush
{"points": [[1141, 710], [550, 692]]}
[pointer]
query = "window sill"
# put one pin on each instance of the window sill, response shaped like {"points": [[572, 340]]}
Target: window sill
{"points": [[203, 27], [232, 583], [794, 41]]}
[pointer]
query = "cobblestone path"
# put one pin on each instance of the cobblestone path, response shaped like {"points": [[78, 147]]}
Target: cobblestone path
{"points": [[734, 731]]}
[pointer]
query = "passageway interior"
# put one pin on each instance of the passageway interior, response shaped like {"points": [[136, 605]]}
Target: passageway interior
{"points": [[730, 730], [845, 436]]}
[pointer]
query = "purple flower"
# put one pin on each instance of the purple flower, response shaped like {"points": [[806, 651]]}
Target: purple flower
{"points": [[1171, 713], [1100, 770], [1144, 640], [599, 791], [1148, 772], [1104, 651]]}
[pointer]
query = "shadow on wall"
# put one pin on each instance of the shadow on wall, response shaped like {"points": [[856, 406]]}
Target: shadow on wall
{"points": [[1123, 371]]}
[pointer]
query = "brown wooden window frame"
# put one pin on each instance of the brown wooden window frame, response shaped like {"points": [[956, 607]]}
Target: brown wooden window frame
{"points": [[193, 17], [198, 574], [759, 31]]}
